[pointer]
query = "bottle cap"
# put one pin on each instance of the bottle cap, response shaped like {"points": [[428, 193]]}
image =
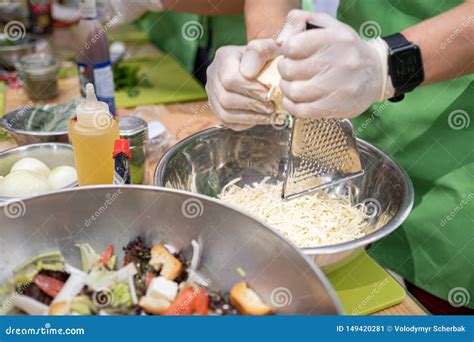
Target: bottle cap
{"points": [[93, 113], [121, 146], [88, 9]]}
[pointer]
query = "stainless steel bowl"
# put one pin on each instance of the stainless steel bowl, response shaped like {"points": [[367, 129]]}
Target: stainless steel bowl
{"points": [[15, 123], [206, 161], [52, 154], [10, 54], [101, 215]]}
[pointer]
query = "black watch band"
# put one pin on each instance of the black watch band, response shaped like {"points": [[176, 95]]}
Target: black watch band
{"points": [[396, 40], [405, 65]]}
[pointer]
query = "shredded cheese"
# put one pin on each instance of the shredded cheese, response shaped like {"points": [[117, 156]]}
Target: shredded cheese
{"points": [[313, 220]]}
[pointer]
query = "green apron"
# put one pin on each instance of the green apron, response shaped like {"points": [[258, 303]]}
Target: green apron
{"points": [[430, 134], [181, 34]]}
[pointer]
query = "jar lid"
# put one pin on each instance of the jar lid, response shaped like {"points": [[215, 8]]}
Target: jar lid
{"points": [[134, 129], [37, 64]]}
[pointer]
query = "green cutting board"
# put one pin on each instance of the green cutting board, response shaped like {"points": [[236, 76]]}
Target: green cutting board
{"points": [[364, 287], [169, 83], [128, 34]]}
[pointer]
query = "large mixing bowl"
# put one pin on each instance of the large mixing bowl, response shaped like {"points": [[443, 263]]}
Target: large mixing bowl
{"points": [[285, 278], [205, 162]]}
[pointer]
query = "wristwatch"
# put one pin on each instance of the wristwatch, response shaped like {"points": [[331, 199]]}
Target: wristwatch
{"points": [[405, 65]]}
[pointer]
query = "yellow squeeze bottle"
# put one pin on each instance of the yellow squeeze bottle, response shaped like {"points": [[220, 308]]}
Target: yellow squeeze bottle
{"points": [[93, 134]]}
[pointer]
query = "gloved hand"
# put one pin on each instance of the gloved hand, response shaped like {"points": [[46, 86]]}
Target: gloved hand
{"points": [[235, 96], [331, 71], [125, 11]]}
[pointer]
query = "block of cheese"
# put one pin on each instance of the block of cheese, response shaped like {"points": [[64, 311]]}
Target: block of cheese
{"points": [[269, 77]]}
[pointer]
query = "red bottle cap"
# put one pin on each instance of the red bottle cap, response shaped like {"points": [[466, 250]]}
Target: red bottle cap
{"points": [[121, 145]]}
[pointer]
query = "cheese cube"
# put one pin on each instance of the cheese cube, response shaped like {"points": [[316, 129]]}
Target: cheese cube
{"points": [[160, 287]]}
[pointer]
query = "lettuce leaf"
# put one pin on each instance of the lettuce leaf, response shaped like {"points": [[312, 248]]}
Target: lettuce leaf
{"points": [[122, 295], [89, 257], [25, 273], [83, 305]]}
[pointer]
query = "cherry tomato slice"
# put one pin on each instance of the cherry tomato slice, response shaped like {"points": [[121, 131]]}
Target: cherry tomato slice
{"points": [[109, 251], [201, 302], [183, 304], [48, 285]]}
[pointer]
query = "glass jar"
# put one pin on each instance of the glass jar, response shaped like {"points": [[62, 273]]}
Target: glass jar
{"points": [[39, 73], [135, 130]]}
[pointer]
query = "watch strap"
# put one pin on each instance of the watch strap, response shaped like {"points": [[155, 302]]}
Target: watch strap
{"points": [[396, 40], [397, 97]]}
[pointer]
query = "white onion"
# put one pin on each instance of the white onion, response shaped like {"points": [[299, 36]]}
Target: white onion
{"points": [[23, 183], [71, 288], [31, 164], [61, 176], [196, 255], [30, 305]]}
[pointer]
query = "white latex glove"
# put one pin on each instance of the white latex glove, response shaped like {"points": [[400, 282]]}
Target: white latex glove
{"points": [[330, 72], [125, 11], [236, 98]]}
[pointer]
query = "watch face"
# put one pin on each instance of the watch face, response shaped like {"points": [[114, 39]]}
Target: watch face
{"points": [[406, 69]]}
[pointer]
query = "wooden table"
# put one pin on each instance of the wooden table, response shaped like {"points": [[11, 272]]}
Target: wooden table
{"points": [[181, 120]]}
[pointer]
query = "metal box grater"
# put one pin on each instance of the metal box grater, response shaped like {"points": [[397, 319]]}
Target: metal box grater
{"points": [[321, 153]]}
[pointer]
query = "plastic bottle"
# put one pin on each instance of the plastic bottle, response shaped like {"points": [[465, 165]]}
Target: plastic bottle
{"points": [[93, 133], [93, 56]]}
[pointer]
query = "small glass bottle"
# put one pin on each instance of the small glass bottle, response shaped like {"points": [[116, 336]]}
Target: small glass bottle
{"points": [[121, 157]]}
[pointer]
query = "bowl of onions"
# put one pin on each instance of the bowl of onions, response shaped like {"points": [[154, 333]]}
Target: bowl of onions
{"points": [[36, 169]]}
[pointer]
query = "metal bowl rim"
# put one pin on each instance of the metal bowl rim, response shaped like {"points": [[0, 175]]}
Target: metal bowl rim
{"points": [[321, 276], [395, 222], [30, 41], [6, 124], [26, 148]]}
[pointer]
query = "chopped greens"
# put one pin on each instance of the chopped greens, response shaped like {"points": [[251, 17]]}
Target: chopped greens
{"points": [[139, 253], [127, 77]]}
